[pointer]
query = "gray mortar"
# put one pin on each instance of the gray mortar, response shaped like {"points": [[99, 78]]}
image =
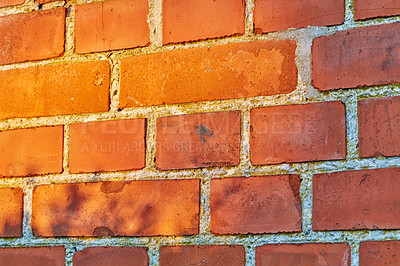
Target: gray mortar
{"points": [[305, 93]]}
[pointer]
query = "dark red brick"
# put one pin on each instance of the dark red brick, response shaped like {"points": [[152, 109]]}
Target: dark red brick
{"points": [[33, 256], [379, 253], [375, 8], [265, 204], [365, 56], [198, 140], [298, 133], [11, 212], [366, 199]]}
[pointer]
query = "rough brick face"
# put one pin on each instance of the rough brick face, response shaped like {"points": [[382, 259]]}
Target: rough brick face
{"points": [[366, 199], [198, 140], [298, 133], [201, 255], [111, 25], [375, 8], [201, 74], [107, 146], [358, 57], [267, 204], [34, 151], [303, 254], [4, 3], [34, 256], [273, 15], [109, 256], [379, 127], [32, 36], [380, 253], [192, 20], [55, 90], [11, 212], [132, 208]]}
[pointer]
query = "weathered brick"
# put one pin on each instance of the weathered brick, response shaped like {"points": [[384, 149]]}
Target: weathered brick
{"points": [[273, 15], [198, 140], [298, 133], [111, 256], [375, 8], [107, 146], [303, 254], [243, 205], [34, 256], [4, 3], [202, 255], [379, 253], [55, 90], [11, 212], [33, 151], [193, 20], [32, 36], [203, 74], [132, 208], [365, 56], [379, 127], [111, 25], [366, 199]]}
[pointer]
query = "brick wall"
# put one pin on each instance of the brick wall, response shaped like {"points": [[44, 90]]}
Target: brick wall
{"points": [[213, 132]]}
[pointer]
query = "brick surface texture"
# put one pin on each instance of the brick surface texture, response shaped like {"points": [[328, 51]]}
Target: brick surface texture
{"points": [[200, 132]]}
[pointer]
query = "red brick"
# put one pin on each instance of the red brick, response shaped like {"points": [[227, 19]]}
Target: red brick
{"points": [[55, 90], [32, 36], [193, 20], [366, 199], [266, 204], [204, 74], [375, 8], [273, 15], [107, 146], [298, 133], [33, 256], [303, 254], [111, 25], [33, 151], [365, 56], [11, 212], [132, 208], [198, 140], [111, 256], [202, 255], [379, 127], [4, 3], [380, 253]]}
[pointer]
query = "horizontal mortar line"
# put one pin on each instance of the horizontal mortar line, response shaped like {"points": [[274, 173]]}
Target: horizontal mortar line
{"points": [[207, 173]]}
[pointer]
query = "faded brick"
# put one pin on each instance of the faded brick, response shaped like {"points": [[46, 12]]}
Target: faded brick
{"points": [[33, 256], [375, 8]]}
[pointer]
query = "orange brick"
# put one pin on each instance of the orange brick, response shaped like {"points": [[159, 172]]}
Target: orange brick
{"points": [[41, 2], [54, 256], [365, 56], [266, 204], [111, 25], [111, 256], [353, 200], [107, 146], [379, 127], [34, 151], [202, 255], [132, 208], [204, 74], [379, 253], [375, 8], [198, 140], [32, 36], [11, 212], [273, 15], [193, 20], [303, 254], [298, 133], [55, 90], [4, 3]]}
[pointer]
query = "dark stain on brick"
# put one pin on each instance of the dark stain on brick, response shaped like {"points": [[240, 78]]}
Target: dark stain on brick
{"points": [[103, 231], [75, 198], [12, 230], [113, 187], [202, 131], [294, 182]]}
